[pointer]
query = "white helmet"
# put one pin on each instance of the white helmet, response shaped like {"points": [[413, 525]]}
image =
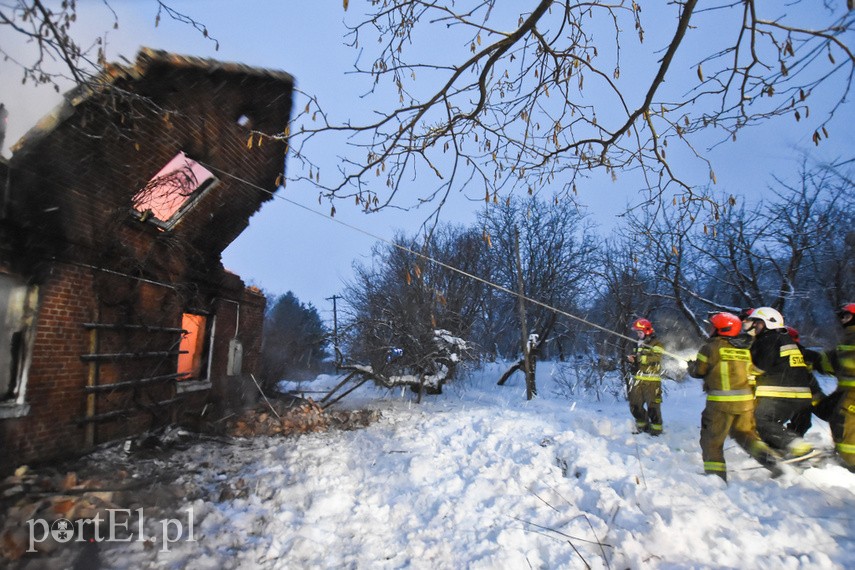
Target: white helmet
{"points": [[770, 317]]}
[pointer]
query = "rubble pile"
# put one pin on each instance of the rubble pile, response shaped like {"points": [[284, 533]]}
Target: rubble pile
{"points": [[292, 417], [28, 496], [279, 418], [106, 491]]}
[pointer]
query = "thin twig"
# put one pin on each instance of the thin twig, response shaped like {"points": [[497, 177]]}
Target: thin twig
{"points": [[640, 465], [564, 534], [260, 391], [594, 532]]}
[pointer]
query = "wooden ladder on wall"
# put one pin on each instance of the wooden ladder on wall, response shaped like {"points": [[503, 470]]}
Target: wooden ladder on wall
{"points": [[96, 359]]}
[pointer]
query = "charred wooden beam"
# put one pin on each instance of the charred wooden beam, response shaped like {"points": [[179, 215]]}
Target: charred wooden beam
{"points": [[134, 383], [149, 328], [131, 355]]}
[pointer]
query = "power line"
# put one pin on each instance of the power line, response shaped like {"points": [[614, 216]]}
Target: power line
{"points": [[433, 260]]}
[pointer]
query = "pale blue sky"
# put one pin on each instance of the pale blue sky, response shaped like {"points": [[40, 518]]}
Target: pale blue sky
{"points": [[287, 248]]}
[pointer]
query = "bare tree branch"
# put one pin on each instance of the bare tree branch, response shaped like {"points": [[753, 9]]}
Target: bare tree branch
{"points": [[542, 106]]}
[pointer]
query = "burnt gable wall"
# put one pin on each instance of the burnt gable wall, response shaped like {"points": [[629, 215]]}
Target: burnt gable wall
{"points": [[104, 147]]}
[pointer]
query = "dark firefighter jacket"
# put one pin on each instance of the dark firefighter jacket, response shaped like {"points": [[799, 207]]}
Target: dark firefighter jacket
{"points": [[780, 366]]}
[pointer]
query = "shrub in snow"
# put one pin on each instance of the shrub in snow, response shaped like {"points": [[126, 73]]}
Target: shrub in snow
{"points": [[421, 366]]}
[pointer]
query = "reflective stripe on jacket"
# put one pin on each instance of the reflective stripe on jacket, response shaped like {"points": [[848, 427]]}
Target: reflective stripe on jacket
{"points": [[724, 368], [648, 360], [779, 362], [730, 395], [766, 391], [841, 361]]}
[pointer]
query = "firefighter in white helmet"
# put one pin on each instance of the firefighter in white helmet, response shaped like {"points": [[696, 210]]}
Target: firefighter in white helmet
{"points": [[783, 382]]}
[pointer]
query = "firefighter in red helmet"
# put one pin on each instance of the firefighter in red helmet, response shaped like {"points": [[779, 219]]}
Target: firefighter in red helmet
{"points": [[644, 389], [841, 362], [723, 363]]}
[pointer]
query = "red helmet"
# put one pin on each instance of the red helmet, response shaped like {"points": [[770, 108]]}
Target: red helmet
{"points": [[643, 325], [794, 334], [846, 308], [726, 324]]}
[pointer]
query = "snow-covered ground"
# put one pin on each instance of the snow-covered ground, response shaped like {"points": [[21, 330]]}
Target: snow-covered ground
{"points": [[478, 477]]}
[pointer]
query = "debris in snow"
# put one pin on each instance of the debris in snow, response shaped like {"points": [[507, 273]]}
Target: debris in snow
{"points": [[280, 418], [292, 417], [29, 495]]}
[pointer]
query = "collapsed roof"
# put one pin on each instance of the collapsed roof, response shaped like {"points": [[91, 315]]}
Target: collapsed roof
{"points": [[85, 165]]}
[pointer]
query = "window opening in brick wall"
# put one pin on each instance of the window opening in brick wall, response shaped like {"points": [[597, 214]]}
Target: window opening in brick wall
{"points": [[195, 347], [173, 190], [17, 316]]}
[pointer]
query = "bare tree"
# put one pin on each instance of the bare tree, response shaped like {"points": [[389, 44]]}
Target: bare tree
{"points": [[556, 257], [537, 94], [817, 273], [625, 286], [799, 222], [782, 252], [405, 310], [57, 56], [663, 244]]}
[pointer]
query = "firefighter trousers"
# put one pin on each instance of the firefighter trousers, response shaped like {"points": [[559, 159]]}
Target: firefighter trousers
{"points": [[645, 404], [735, 419], [823, 409], [774, 418], [843, 428]]}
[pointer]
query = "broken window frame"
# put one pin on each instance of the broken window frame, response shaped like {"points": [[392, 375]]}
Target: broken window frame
{"points": [[182, 180], [17, 337], [203, 380]]}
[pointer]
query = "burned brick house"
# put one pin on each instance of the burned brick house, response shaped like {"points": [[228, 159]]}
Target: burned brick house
{"points": [[116, 313]]}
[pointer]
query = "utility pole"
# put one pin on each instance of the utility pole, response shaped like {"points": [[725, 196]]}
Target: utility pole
{"points": [[334, 298], [530, 386]]}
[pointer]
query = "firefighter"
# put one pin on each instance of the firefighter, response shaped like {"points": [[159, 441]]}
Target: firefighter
{"points": [[802, 421], [743, 316], [841, 363], [723, 363], [644, 389], [783, 383], [747, 329]]}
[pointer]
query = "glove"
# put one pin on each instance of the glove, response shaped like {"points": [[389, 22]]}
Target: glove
{"points": [[691, 367]]}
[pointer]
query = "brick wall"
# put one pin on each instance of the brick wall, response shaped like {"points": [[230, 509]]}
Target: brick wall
{"points": [[253, 328], [57, 375], [55, 391]]}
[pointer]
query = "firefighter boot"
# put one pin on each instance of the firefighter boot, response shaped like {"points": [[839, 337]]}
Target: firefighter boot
{"points": [[769, 460], [797, 448]]}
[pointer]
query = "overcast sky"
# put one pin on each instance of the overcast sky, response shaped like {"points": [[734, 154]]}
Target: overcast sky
{"points": [[287, 247]]}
